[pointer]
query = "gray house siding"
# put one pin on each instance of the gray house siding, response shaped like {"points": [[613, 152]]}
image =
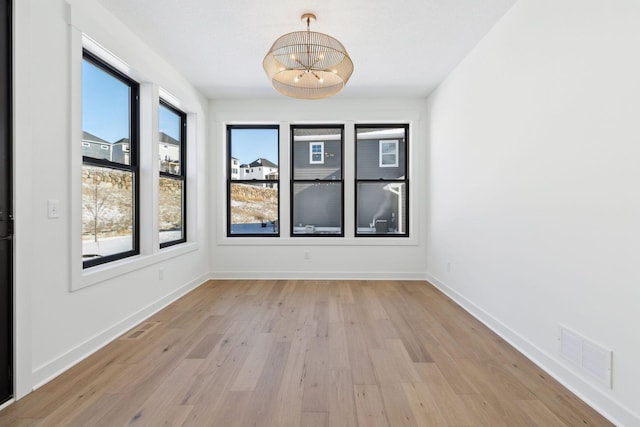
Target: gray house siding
{"points": [[368, 160], [331, 168], [384, 202], [317, 204]]}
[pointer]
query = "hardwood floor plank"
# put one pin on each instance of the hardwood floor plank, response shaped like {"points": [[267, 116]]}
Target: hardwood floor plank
{"points": [[448, 402], [290, 353], [316, 379], [289, 402], [369, 407], [423, 405], [261, 407], [539, 413], [342, 412], [314, 419], [359, 361], [397, 406], [251, 370]]}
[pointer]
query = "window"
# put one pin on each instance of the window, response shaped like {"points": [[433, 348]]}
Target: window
{"points": [[172, 181], [388, 153], [109, 184], [382, 186], [253, 199], [316, 153], [317, 182]]}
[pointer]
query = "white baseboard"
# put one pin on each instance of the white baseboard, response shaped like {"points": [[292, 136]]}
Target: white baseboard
{"points": [[315, 275], [57, 366], [593, 396], [7, 403]]}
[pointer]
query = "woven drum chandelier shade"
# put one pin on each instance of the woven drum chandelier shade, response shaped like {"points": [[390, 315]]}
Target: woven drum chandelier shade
{"points": [[308, 65]]}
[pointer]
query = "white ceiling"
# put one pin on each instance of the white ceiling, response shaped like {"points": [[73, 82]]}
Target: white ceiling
{"points": [[399, 48]]}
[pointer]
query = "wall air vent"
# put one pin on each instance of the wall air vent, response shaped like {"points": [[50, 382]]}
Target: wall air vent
{"points": [[587, 355]]}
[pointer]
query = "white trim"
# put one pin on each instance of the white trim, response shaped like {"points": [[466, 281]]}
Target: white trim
{"points": [[220, 158], [588, 392], [150, 252], [311, 153], [396, 153], [55, 367], [103, 272], [285, 240], [7, 403], [166, 96], [316, 275], [106, 55]]}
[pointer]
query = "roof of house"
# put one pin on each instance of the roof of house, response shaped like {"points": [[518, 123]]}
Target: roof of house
{"points": [[167, 139], [263, 162], [89, 137]]}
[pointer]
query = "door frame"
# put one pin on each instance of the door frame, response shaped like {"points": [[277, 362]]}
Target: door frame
{"points": [[7, 83]]}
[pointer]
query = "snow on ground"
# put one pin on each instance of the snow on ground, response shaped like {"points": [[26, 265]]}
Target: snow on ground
{"points": [[114, 245]]}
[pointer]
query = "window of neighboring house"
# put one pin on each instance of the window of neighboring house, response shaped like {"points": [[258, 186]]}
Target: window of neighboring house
{"points": [[388, 153], [382, 184], [86, 144], [104, 147], [253, 205], [316, 180], [110, 188], [316, 153], [172, 188]]}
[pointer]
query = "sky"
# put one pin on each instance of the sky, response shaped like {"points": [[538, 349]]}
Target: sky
{"points": [[105, 104], [105, 107], [248, 145]]}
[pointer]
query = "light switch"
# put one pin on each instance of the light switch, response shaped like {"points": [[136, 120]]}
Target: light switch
{"points": [[53, 208]]}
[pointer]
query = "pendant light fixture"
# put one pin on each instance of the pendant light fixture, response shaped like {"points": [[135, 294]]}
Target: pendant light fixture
{"points": [[308, 65]]}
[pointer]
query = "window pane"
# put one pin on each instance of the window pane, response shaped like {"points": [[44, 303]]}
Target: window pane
{"points": [[170, 140], [317, 208], [107, 212], [317, 153], [253, 177], [254, 208], [382, 208], [171, 209], [381, 153], [106, 129], [255, 152]]}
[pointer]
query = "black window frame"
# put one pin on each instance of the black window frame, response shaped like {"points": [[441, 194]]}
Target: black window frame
{"points": [[182, 176], [404, 181], [294, 181], [133, 166], [230, 181]]}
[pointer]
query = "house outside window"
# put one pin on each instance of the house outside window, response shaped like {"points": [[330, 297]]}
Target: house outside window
{"points": [[382, 184], [253, 197], [172, 191], [317, 185], [110, 184], [316, 153], [388, 156]]}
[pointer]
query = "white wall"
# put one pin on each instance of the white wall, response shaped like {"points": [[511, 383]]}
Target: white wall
{"points": [[330, 258], [534, 217], [56, 327]]}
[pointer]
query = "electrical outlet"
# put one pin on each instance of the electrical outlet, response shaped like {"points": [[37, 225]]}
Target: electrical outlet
{"points": [[161, 273], [307, 255], [53, 208]]}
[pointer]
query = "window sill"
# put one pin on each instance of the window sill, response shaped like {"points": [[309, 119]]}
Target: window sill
{"points": [[101, 273], [317, 241]]}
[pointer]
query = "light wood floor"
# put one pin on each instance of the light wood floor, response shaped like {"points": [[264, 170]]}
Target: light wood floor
{"points": [[306, 353]]}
